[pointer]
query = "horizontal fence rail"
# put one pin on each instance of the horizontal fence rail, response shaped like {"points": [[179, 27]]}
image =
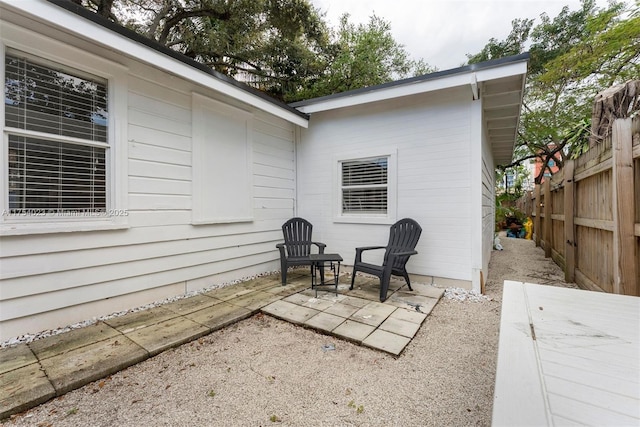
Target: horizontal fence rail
{"points": [[587, 216]]}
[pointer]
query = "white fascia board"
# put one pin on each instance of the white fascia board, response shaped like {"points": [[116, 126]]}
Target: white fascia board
{"points": [[383, 94], [444, 82], [87, 30], [502, 71]]}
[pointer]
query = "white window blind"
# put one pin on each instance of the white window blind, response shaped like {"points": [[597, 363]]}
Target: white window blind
{"points": [[56, 122], [365, 186]]}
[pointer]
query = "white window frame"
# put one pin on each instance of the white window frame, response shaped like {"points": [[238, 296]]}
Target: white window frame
{"points": [[14, 40], [392, 187]]}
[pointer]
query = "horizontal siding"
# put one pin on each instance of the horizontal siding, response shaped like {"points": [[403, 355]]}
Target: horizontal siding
{"points": [[431, 134], [161, 248]]}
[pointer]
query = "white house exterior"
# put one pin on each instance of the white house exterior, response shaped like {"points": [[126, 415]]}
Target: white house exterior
{"points": [[191, 174], [441, 136]]}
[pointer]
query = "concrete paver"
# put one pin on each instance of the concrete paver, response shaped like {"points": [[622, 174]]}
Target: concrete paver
{"points": [[70, 370], [33, 373], [219, 316], [399, 327], [352, 330], [386, 341], [24, 388], [373, 313], [16, 357], [168, 334], [324, 322]]}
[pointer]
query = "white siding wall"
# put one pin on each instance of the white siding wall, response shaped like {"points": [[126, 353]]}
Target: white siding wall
{"points": [[431, 134], [488, 203], [50, 280]]}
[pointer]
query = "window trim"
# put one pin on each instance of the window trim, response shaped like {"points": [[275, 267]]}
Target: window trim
{"points": [[16, 40], [392, 187]]}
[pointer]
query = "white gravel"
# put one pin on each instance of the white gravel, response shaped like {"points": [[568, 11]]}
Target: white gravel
{"points": [[264, 372]]}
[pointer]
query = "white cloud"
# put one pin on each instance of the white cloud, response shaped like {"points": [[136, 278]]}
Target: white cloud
{"points": [[442, 32]]}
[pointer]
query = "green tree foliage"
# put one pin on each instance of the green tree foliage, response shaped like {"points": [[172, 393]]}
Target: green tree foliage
{"points": [[574, 56], [274, 45], [282, 47], [361, 56]]}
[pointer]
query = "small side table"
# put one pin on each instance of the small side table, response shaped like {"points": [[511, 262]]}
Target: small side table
{"points": [[317, 262]]}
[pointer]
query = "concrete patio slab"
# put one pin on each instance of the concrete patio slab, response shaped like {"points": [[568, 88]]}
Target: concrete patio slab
{"points": [[409, 316], [141, 319], [16, 357], [399, 327], [254, 300], [24, 388], [412, 301], [64, 343], [75, 368], [324, 322], [168, 334], [386, 341], [191, 304], [228, 292], [354, 331], [290, 312], [427, 290], [72, 359], [342, 310], [219, 316], [374, 313]]}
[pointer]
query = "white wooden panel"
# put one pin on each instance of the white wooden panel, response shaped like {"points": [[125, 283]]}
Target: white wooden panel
{"points": [[159, 186], [159, 108], [222, 162], [158, 138], [164, 124], [158, 170], [586, 352], [151, 153], [164, 88], [517, 368], [431, 137], [158, 201]]}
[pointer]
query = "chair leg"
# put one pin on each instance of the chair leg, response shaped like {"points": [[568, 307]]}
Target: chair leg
{"points": [[283, 272], [384, 284], [353, 277], [406, 278]]}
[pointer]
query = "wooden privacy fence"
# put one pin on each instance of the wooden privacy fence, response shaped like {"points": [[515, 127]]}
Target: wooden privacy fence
{"points": [[587, 217]]}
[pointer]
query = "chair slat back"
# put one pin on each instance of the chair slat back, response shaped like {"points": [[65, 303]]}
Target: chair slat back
{"points": [[297, 237], [403, 236]]}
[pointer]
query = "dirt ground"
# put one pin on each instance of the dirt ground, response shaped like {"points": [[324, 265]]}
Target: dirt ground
{"points": [[266, 372]]}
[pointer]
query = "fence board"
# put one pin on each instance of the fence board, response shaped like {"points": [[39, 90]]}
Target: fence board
{"points": [[589, 222]]}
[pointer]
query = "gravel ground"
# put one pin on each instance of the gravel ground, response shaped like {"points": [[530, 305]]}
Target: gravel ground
{"points": [[266, 372]]}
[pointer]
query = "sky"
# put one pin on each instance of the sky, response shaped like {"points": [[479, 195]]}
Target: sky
{"points": [[442, 32]]}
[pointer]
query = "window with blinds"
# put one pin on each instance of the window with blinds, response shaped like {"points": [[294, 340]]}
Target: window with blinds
{"points": [[365, 186], [56, 121]]}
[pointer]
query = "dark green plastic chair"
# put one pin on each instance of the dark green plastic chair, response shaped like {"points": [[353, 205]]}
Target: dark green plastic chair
{"points": [[297, 246], [403, 238]]}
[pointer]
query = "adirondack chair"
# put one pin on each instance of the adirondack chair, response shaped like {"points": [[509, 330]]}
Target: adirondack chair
{"points": [[297, 246], [403, 238]]}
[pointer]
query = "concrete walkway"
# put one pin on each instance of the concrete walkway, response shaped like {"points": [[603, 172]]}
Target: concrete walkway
{"points": [[31, 374]]}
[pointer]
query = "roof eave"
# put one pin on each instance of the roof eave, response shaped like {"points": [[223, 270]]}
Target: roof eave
{"points": [[89, 26]]}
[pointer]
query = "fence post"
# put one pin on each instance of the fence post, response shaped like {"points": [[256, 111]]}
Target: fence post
{"points": [[548, 229], [536, 220], [569, 214], [624, 266]]}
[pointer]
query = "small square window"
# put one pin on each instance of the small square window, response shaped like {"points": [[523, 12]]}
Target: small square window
{"points": [[365, 186]]}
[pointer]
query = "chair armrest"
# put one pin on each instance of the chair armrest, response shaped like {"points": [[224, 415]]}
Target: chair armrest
{"points": [[365, 248], [406, 253], [280, 246], [320, 246]]}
